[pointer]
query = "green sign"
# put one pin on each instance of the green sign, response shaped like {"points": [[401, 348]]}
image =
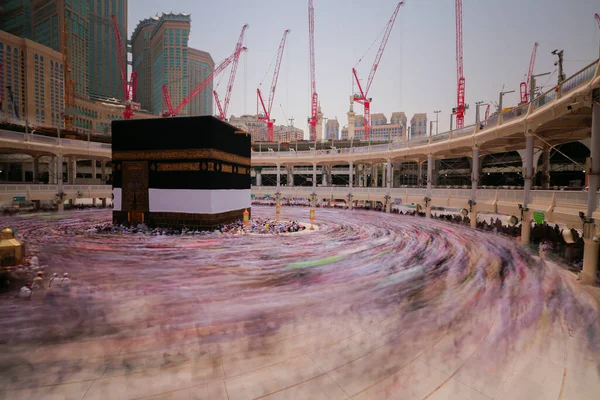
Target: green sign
{"points": [[411, 206], [252, 196], [538, 217], [267, 196], [19, 198]]}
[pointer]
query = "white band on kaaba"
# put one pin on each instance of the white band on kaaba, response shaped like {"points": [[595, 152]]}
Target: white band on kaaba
{"points": [[197, 201], [118, 194]]}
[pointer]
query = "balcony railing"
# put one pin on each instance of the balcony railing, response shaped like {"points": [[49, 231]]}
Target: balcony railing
{"points": [[582, 77]]}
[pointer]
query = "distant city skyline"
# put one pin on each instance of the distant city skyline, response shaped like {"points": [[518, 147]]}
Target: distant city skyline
{"points": [[418, 70]]}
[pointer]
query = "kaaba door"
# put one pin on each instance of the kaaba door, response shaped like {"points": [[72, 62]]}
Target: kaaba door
{"points": [[135, 190]]}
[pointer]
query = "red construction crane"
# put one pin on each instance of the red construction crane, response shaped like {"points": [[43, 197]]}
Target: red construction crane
{"points": [[459, 111], [129, 90], [525, 85], [266, 117], [597, 16], [361, 97], [487, 112], [167, 97], [314, 104], [223, 110]]}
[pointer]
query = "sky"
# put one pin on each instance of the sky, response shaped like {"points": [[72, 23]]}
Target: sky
{"points": [[418, 70]]}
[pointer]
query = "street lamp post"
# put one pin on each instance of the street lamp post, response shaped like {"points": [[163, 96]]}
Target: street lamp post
{"points": [[500, 100], [532, 84], [437, 114]]}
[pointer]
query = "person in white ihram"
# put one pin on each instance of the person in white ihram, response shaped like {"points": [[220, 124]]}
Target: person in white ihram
{"points": [[38, 281], [65, 282], [54, 277], [26, 291]]}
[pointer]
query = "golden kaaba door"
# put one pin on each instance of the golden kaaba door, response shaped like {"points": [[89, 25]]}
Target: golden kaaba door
{"points": [[135, 190]]}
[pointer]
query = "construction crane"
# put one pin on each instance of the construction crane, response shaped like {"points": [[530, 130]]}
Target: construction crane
{"points": [[266, 117], [461, 107], [68, 78], [223, 110], [525, 85], [172, 112], [314, 103], [361, 97], [129, 90]]}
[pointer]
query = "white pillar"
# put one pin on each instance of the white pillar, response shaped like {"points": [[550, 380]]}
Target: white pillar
{"points": [[528, 176], [278, 177], [103, 171], [546, 168], [36, 169], [258, 178], [389, 177], [429, 182], [22, 172], [94, 171], [350, 176], [591, 247], [314, 177], [474, 184], [420, 176], [475, 174], [59, 178], [290, 175]]}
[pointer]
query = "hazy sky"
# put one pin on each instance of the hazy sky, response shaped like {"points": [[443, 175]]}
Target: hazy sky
{"points": [[418, 69]]}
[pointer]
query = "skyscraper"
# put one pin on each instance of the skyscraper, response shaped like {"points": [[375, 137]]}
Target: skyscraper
{"points": [[200, 66], [49, 17], [105, 71], [15, 18], [169, 53], [142, 61], [418, 125], [332, 129]]}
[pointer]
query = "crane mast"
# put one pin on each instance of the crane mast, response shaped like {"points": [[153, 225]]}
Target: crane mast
{"points": [[361, 97], [524, 89], [223, 109], [312, 121], [129, 89], [266, 117], [172, 112], [460, 97]]}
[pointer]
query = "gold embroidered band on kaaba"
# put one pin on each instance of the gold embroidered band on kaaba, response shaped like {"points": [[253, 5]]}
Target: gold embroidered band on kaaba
{"points": [[188, 154], [196, 166]]}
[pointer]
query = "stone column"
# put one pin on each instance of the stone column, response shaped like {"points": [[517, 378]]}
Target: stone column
{"points": [[365, 181], [278, 177], [528, 176], [374, 174], [590, 236], [420, 176], [474, 184], [388, 177], [546, 168], [258, 177], [290, 175], [324, 179], [94, 171], [23, 177], [36, 169], [59, 178], [429, 182], [314, 182], [103, 172]]}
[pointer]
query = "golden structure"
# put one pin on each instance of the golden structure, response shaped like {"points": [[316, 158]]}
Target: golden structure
{"points": [[12, 249]]}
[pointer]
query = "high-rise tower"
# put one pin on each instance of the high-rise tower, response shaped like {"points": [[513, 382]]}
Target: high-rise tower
{"points": [[105, 72]]}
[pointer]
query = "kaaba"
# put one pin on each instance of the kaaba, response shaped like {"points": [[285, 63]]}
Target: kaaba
{"points": [[191, 172]]}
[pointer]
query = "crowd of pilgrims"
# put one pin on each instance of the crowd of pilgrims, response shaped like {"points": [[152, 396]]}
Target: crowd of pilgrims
{"points": [[31, 276], [548, 239]]}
